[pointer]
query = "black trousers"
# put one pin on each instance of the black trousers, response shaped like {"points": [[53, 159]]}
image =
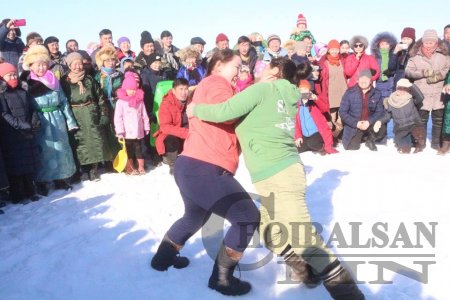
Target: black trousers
{"points": [[134, 148], [437, 119], [312, 143], [21, 187], [367, 135], [173, 144]]}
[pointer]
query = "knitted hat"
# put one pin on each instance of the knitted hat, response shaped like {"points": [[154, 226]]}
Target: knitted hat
{"points": [[197, 40], [153, 57], [51, 39], [221, 37], [165, 33], [146, 38], [365, 73], [273, 37], [334, 44], [33, 37], [35, 54], [123, 39], [129, 81], [6, 68], [404, 83], [106, 52], [409, 32], [300, 46], [72, 57], [304, 84], [430, 35], [301, 20]]}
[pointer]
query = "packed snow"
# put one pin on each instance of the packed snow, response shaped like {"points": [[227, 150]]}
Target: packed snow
{"points": [[96, 241]]}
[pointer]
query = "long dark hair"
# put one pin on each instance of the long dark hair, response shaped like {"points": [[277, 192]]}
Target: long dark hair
{"points": [[223, 56], [289, 71]]}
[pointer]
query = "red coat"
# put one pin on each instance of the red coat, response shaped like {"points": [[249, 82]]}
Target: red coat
{"points": [[353, 66], [170, 118], [322, 85], [317, 110]]}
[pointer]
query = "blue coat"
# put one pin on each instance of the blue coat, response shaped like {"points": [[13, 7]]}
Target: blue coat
{"points": [[351, 109], [193, 77], [56, 117], [10, 50]]}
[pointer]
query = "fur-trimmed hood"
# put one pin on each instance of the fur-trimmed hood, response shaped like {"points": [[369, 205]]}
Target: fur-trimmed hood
{"points": [[359, 39], [442, 47], [382, 36]]}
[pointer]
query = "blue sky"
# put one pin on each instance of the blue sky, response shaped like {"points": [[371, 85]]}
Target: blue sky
{"points": [[82, 19]]}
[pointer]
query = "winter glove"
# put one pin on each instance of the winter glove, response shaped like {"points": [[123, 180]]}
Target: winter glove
{"points": [[376, 126], [435, 78], [428, 72]]}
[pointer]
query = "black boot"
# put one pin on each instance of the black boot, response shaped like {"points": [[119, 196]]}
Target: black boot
{"points": [[222, 279], [167, 256], [42, 188], [301, 270], [169, 159], [61, 184], [339, 283], [93, 173]]}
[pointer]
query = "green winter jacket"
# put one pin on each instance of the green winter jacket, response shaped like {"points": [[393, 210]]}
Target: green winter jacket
{"points": [[446, 127], [90, 142], [266, 131]]}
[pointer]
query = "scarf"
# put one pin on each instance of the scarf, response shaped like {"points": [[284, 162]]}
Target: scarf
{"points": [[384, 63], [48, 79], [77, 78], [429, 51], [133, 101], [334, 60], [107, 72], [397, 101]]}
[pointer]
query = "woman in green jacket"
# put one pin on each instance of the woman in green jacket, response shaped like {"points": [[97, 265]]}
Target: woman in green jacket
{"points": [[266, 136]]}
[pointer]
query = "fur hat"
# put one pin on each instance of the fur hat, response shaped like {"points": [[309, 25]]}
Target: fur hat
{"points": [[72, 57], [430, 35], [146, 38], [405, 83], [33, 37], [187, 52], [35, 54], [104, 53], [409, 32], [301, 20], [6, 68], [359, 39], [129, 81]]}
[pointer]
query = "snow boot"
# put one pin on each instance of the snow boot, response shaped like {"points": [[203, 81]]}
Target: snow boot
{"points": [[61, 184], [437, 117], [93, 173], [42, 188], [168, 255], [141, 166], [418, 134], [339, 283], [404, 150], [301, 271], [222, 279], [445, 148]]}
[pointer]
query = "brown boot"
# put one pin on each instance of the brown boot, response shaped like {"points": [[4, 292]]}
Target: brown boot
{"points": [[141, 166], [444, 149], [129, 169], [418, 134]]}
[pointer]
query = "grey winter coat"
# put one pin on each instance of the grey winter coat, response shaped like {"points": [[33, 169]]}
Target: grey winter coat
{"points": [[439, 62]]}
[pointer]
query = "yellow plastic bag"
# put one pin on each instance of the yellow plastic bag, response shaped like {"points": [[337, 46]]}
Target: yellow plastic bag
{"points": [[121, 159]]}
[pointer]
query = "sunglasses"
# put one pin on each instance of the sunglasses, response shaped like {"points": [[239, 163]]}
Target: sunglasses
{"points": [[359, 45]]}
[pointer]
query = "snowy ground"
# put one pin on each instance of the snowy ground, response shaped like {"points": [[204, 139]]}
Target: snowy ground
{"points": [[96, 241]]}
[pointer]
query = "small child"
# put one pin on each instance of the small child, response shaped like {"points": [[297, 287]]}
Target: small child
{"points": [[131, 121], [402, 106], [311, 128]]}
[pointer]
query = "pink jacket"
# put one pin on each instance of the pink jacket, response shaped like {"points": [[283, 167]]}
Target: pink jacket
{"points": [[132, 123]]}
